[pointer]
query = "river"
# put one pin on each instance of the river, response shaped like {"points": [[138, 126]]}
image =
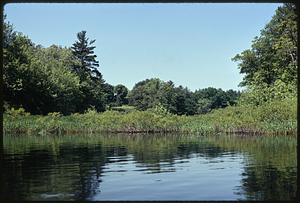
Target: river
{"points": [[149, 167]]}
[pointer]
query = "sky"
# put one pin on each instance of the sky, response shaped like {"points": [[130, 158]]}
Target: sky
{"points": [[189, 43]]}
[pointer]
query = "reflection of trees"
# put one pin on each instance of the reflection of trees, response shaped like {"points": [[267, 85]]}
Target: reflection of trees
{"points": [[61, 165], [73, 172], [271, 184], [74, 164], [206, 149], [89, 162], [157, 153], [16, 171], [270, 172]]}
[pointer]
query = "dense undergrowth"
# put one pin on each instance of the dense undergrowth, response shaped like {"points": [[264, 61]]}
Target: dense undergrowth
{"points": [[274, 117]]}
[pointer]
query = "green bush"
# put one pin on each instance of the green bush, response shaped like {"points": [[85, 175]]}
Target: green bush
{"points": [[16, 112]]}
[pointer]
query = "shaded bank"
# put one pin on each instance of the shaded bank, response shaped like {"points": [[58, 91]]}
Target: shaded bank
{"points": [[278, 117]]}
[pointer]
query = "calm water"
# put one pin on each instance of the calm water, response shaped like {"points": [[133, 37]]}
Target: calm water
{"points": [[149, 167]]}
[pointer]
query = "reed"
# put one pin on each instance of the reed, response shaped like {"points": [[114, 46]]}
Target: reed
{"points": [[277, 117]]}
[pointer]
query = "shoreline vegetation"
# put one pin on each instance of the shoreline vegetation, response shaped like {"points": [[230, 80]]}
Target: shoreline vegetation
{"points": [[60, 90], [272, 118]]}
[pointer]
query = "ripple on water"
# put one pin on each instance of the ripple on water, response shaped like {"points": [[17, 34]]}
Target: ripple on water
{"points": [[150, 168]]}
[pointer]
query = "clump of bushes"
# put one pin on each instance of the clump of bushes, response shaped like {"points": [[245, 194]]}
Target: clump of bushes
{"points": [[16, 112]]}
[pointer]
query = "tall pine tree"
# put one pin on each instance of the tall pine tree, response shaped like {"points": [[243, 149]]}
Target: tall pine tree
{"points": [[90, 78], [83, 51]]}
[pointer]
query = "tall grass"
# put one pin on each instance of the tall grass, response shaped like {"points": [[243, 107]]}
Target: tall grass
{"points": [[276, 117]]}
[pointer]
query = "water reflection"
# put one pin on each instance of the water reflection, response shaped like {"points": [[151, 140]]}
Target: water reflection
{"points": [[148, 167]]}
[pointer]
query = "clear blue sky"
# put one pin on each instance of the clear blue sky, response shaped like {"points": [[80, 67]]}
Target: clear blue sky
{"points": [[190, 44]]}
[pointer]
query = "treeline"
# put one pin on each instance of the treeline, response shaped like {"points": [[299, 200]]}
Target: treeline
{"points": [[179, 100], [67, 80], [54, 79]]}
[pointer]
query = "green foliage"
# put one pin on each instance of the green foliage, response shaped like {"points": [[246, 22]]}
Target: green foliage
{"points": [[144, 94], [212, 98], [270, 69], [43, 80], [120, 92], [66, 80], [109, 96], [15, 65], [159, 110], [274, 117], [16, 112], [277, 116], [203, 105], [273, 55], [54, 79], [124, 108], [55, 114], [91, 81], [83, 51], [184, 101], [258, 95], [179, 100]]}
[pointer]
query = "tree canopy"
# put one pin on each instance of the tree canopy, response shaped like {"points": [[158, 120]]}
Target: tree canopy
{"points": [[270, 66], [44, 80], [68, 79], [179, 100]]}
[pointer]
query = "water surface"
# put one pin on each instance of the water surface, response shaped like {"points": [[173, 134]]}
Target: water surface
{"points": [[149, 167]]}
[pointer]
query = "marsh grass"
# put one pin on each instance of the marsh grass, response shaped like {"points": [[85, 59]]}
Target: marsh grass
{"points": [[278, 117]]}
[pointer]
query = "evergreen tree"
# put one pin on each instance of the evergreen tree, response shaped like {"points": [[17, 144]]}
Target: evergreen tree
{"points": [[83, 51], [91, 81]]}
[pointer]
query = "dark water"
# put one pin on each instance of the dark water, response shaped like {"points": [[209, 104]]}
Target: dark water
{"points": [[149, 167]]}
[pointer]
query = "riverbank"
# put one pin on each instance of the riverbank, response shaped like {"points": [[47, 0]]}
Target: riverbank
{"points": [[277, 117]]}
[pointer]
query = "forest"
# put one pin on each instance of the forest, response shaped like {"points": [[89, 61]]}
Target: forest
{"points": [[61, 89], [66, 80]]}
